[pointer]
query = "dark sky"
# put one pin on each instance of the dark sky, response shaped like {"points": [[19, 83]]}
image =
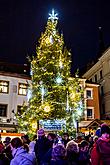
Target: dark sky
{"points": [[22, 21]]}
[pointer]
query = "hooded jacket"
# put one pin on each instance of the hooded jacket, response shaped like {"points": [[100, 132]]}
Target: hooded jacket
{"points": [[21, 157]]}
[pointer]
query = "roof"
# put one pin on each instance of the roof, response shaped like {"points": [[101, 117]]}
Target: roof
{"points": [[93, 123]]}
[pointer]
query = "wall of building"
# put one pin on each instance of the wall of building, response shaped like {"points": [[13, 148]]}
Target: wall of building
{"points": [[12, 99], [103, 65]]}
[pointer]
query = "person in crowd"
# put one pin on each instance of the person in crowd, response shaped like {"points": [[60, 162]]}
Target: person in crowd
{"points": [[79, 139], [7, 141], [100, 154], [41, 146], [26, 139], [84, 157], [65, 138], [51, 137], [95, 138], [58, 155], [72, 152], [3, 158], [7, 148], [20, 156], [32, 145]]}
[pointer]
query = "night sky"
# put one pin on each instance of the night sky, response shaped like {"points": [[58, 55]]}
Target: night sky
{"points": [[22, 21]]}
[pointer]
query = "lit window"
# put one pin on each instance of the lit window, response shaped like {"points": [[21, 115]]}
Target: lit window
{"points": [[89, 113], [89, 94], [22, 89], [4, 86], [3, 110]]}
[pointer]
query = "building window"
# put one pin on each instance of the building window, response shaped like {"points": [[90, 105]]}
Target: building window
{"points": [[3, 110], [19, 109], [102, 91], [22, 89], [4, 86], [95, 78], [103, 109], [89, 94], [100, 74], [89, 113]]}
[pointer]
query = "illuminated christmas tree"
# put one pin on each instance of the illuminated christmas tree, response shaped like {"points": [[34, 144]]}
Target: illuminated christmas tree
{"points": [[52, 91]]}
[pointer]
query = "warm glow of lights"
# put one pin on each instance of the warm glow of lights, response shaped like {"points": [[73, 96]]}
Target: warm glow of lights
{"points": [[47, 108], [72, 95]]}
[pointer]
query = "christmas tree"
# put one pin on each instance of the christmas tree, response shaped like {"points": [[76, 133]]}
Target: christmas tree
{"points": [[52, 91]]}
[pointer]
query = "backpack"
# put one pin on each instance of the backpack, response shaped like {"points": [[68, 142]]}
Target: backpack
{"points": [[95, 155]]}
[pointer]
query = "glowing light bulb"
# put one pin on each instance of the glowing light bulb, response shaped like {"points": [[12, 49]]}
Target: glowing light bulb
{"points": [[58, 80]]}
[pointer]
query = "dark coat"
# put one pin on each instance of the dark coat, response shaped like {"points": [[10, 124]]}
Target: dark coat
{"points": [[41, 148]]}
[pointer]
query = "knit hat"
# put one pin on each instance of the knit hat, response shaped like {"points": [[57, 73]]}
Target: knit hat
{"points": [[72, 146], [105, 129], [58, 151], [41, 132]]}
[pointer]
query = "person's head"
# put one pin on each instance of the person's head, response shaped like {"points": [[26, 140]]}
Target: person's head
{"points": [[84, 146], [72, 146], [7, 140], [105, 131], [16, 142], [58, 152], [51, 136], [41, 132], [25, 139], [65, 136]]}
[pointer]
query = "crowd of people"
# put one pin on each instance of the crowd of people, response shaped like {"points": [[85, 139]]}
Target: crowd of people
{"points": [[52, 149]]}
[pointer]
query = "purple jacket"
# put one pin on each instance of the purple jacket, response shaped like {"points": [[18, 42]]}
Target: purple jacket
{"points": [[23, 158]]}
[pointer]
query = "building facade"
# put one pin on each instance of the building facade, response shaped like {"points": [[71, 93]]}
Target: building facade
{"points": [[100, 73], [13, 94]]}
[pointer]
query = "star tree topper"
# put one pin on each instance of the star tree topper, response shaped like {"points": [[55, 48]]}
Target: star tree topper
{"points": [[53, 16]]}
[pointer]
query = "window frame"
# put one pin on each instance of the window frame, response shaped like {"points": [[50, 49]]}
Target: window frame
{"points": [[92, 108], [6, 109], [89, 89], [22, 94], [7, 86]]}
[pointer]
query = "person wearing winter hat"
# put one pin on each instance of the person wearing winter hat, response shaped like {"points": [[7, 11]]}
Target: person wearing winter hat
{"points": [[72, 152], [102, 154]]}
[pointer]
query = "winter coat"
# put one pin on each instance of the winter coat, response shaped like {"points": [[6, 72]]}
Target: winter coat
{"points": [[103, 147], [23, 158], [41, 148]]}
